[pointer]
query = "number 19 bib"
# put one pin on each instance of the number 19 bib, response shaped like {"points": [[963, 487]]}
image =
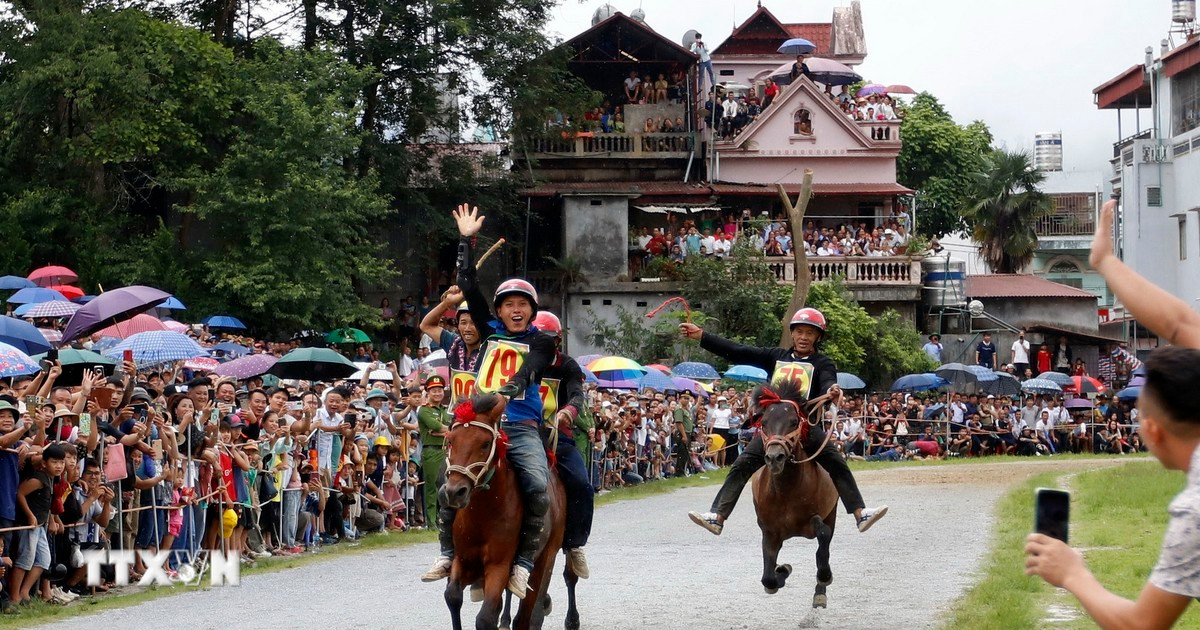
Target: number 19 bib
{"points": [[499, 364], [799, 372]]}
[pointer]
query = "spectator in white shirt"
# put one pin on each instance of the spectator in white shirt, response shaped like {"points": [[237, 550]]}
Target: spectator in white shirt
{"points": [[1020, 353], [722, 245]]}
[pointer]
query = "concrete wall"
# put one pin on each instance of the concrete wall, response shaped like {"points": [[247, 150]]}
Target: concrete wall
{"points": [[830, 166], [1070, 313], [603, 300], [596, 232]]}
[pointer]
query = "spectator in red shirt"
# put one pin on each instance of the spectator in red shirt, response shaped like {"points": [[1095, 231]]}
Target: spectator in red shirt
{"points": [[657, 245], [769, 93]]}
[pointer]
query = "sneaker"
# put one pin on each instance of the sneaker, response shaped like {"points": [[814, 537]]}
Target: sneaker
{"points": [[578, 562], [870, 516], [518, 582], [263, 553], [295, 549], [58, 592], [59, 597], [708, 521], [439, 571]]}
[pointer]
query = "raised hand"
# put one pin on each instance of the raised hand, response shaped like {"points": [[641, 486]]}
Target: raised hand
{"points": [[468, 219], [1102, 246], [453, 296], [691, 331]]}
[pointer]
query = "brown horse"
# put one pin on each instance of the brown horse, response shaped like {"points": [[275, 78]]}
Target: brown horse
{"points": [[793, 496], [483, 488]]}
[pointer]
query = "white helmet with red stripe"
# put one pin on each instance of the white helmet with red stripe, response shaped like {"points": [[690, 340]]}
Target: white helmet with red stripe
{"points": [[548, 323], [515, 286], [809, 317]]}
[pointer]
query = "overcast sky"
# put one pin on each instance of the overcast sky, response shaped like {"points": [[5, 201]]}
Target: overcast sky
{"points": [[1021, 66]]}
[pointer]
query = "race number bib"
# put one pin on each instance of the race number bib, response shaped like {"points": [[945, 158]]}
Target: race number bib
{"points": [[797, 372], [499, 364], [549, 393], [461, 386]]}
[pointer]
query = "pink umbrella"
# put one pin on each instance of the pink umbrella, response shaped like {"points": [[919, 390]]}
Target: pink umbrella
{"points": [[52, 275], [202, 364], [51, 335], [139, 323], [175, 326], [900, 89]]}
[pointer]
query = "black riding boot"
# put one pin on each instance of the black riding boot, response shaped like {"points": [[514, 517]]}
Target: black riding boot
{"points": [[532, 528], [446, 533]]}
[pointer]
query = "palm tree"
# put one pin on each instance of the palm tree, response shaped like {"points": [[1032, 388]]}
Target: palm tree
{"points": [[1004, 208]]}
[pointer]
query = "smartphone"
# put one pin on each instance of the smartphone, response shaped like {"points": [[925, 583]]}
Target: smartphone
{"points": [[214, 417], [127, 356], [296, 405], [403, 392], [1052, 513], [52, 355], [85, 424], [142, 414], [31, 402], [98, 369]]}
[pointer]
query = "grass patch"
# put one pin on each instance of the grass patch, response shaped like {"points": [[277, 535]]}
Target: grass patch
{"points": [[1122, 510], [960, 461], [662, 486]]}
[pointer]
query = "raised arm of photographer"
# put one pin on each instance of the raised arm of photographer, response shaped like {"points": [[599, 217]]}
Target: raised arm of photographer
{"points": [[1166, 315], [450, 300]]}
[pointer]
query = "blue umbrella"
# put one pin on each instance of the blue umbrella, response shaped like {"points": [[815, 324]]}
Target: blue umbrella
{"points": [[1040, 386], [105, 343], [746, 373], [695, 370], [588, 377], [33, 295], [918, 382], [13, 362], [1058, 378], [1129, 393], [957, 374], [173, 304], [154, 347], [223, 321], [932, 410], [84, 299], [22, 335], [1005, 385], [797, 46], [230, 349], [653, 379], [846, 380], [1139, 371], [11, 283]]}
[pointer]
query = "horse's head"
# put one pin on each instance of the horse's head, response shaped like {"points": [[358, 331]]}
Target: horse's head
{"points": [[782, 423], [473, 447]]}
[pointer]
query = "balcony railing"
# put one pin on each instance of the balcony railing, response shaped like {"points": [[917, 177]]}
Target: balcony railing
{"points": [[1067, 224], [855, 270], [627, 145], [881, 131]]}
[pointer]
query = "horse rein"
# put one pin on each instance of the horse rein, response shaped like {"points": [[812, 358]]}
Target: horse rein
{"points": [[792, 439], [476, 470]]}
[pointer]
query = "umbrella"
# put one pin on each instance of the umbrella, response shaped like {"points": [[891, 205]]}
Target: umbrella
{"points": [[229, 348], [376, 375], [587, 359], [11, 283], [202, 364], [54, 274], [919, 382], [137, 324], [313, 364], [68, 291], [1058, 378], [822, 70], [653, 379], [76, 362], [173, 304], [932, 410], [13, 362], [347, 335], [83, 299], [154, 347], [50, 335], [870, 88], [33, 295], [688, 385], [658, 366], [1005, 385], [1136, 381], [1040, 386], [50, 309], [1129, 393], [958, 375], [797, 46], [224, 321], [588, 377], [618, 383], [247, 366], [1139, 371], [899, 89], [175, 326], [1078, 403], [695, 371], [746, 373], [436, 363], [612, 369], [22, 335], [1085, 385], [112, 309], [846, 380]]}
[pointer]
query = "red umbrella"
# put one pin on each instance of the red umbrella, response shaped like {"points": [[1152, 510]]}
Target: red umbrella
{"points": [[899, 89], [138, 324], [660, 367], [53, 274], [68, 291], [1084, 385]]}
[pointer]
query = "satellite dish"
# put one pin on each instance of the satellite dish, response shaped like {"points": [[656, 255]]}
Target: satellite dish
{"points": [[638, 14], [689, 38], [975, 308], [603, 12]]}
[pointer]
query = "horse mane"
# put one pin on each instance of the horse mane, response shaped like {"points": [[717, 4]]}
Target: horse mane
{"points": [[467, 410], [784, 390]]}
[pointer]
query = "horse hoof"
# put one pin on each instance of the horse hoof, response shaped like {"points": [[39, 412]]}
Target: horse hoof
{"points": [[547, 604], [770, 590], [819, 601], [785, 570], [476, 593]]}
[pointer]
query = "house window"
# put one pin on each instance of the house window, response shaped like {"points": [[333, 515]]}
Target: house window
{"points": [[1183, 238], [802, 123], [1185, 101], [1154, 196], [726, 73]]}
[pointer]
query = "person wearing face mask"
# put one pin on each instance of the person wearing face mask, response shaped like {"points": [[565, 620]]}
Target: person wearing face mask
{"points": [[816, 375]]}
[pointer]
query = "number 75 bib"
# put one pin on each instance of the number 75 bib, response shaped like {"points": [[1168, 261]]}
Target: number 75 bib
{"points": [[799, 372], [499, 364]]}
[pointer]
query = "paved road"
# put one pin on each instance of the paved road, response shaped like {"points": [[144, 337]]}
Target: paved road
{"points": [[652, 568]]}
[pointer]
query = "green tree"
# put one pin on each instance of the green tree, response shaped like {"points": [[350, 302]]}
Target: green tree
{"points": [[1003, 207], [937, 159], [738, 294]]}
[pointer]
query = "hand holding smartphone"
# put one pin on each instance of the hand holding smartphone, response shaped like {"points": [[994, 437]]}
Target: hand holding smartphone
{"points": [[1052, 513]]}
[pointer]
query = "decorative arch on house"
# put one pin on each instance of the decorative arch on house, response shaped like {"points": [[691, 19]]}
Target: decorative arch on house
{"points": [[802, 124], [1064, 264]]}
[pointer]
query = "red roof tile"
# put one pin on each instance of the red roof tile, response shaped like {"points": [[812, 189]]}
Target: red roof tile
{"points": [[819, 33], [1020, 285], [762, 33], [662, 189]]}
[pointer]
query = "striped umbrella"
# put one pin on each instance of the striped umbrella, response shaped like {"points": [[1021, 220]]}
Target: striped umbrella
{"points": [[50, 335], [175, 326], [52, 309], [1058, 378], [614, 369], [138, 324], [1085, 385], [155, 347], [248, 366]]}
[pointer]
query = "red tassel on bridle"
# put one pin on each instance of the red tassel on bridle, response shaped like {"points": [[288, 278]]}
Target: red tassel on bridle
{"points": [[766, 398], [464, 412]]}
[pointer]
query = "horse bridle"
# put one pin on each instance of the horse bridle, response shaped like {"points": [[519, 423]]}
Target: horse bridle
{"points": [[475, 470], [791, 440]]}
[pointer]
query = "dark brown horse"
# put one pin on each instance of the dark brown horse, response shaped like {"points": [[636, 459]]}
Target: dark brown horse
{"points": [[793, 496], [483, 488]]}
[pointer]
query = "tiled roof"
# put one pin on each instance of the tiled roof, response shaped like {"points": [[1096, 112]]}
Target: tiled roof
{"points": [[653, 189], [1020, 285], [819, 33], [762, 33]]}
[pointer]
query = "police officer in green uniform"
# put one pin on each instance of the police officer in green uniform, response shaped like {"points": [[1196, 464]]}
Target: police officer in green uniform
{"points": [[433, 419]]}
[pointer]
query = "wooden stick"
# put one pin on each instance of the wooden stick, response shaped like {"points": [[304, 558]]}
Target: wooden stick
{"points": [[489, 252]]}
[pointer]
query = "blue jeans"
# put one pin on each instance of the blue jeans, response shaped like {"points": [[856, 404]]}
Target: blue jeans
{"points": [[705, 66], [290, 510], [580, 507], [527, 456]]}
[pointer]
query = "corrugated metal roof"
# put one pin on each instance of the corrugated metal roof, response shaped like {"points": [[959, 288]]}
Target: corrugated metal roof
{"points": [[1020, 285], [651, 189]]}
